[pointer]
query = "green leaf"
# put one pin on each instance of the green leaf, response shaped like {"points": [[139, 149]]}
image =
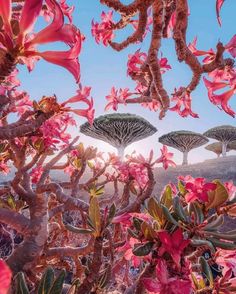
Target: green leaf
{"points": [[46, 281], [112, 212], [94, 215], [178, 209], [147, 231], [166, 198], [21, 284], [132, 233], [206, 270], [217, 197], [58, 283], [11, 202], [215, 224], [90, 164], [222, 244], [78, 230], [168, 215], [154, 209], [200, 243], [181, 188], [143, 250], [74, 287], [137, 223], [96, 192], [104, 277]]}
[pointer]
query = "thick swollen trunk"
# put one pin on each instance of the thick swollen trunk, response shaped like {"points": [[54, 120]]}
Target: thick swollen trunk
{"points": [[92, 277], [185, 158], [224, 148], [25, 255]]}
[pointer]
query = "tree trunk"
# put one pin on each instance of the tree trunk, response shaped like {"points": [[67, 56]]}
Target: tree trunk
{"points": [[224, 148], [185, 158], [26, 254], [121, 151]]}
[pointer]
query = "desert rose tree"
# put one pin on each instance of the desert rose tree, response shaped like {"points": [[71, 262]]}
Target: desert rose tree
{"points": [[119, 130], [183, 141], [224, 134], [176, 242]]}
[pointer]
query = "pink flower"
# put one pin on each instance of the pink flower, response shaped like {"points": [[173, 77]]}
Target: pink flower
{"points": [[231, 188], [5, 13], [173, 244], [198, 189], [231, 46], [165, 158], [117, 97], [57, 30], [219, 4], [22, 105], [103, 32], [227, 259], [82, 96], [183, 100], [135, 61], [5, 277], [153, 106], [210, 54], [163, 62], [126, 218], [36, 174], [163, 284], [67, 10], [127, 251], [4, 168], [67, 59], [29, 15], [221, 99]]}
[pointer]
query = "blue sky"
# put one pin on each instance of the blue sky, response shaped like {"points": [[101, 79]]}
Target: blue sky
{"points": [[101, 68]]}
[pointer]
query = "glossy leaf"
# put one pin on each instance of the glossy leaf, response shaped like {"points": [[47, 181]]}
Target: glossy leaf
{"points": [[217, 197]]}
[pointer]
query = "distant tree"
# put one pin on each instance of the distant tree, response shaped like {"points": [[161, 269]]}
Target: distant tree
{"points": [[119, 130], [232, 145], [225, 134], [216, 147], [183, 141]]}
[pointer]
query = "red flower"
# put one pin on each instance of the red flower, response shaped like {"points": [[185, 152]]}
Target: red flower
{"points": [[82, 96], [183, 100], [210, 54], [173, 244], [221, 99], [5, 277], [219, 4], [116, 98], [103, 32], [231, 46], [198, 189], [135, 61], [163, 284], [165, 158], [231, 188]]}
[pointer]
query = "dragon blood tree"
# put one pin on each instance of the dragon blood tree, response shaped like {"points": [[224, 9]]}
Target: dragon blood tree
{"points": [[183, 141], [232, 145], [119, 130], [216, 147], [225, 134]]}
